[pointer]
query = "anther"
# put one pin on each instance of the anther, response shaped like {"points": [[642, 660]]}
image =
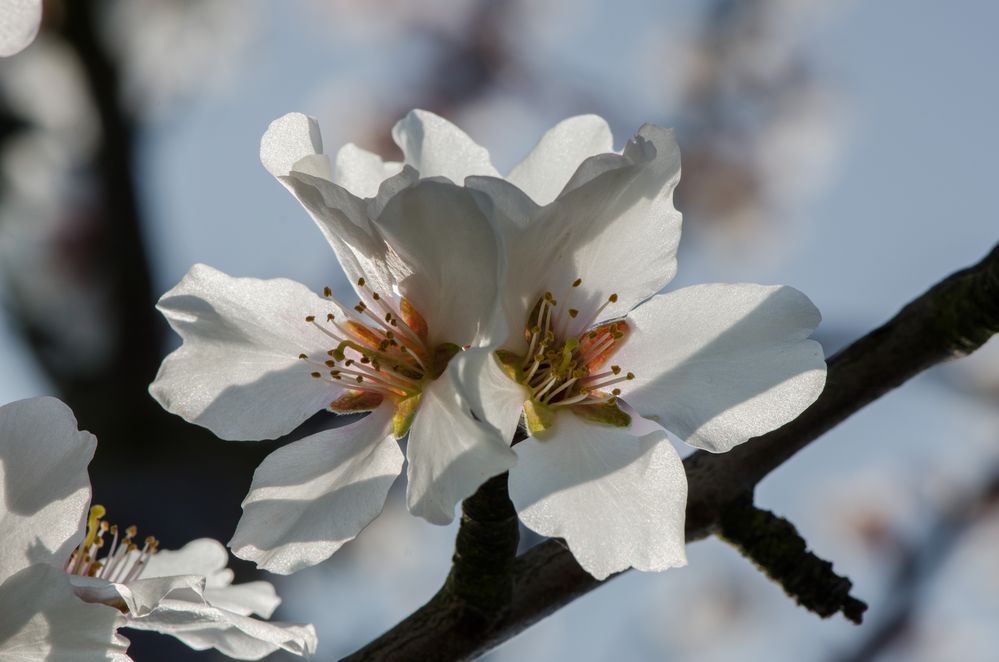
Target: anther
{"points": [[330, 317], [616, 369], [327, 292], [303, 356], [612, 298], [310, 318], [573, 312], [577, 282], [360, 282], [315, 375]]}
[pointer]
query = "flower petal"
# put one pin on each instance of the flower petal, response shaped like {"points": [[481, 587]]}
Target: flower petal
{"points": [[550, 165], [310, 497], [238, 372], [617, 499], [450, 453], [437, 148], [203, 626], [44, 486], [491, 395], [43, 621], [718, 364], [205, 557], [289, 139], [451, 253], [249, 598], [362, 172], [18, 25], [621, 230]]}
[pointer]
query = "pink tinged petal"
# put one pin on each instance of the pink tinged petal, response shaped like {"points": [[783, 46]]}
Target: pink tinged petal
{"points": [[437, 148], [617, 499], [203, 626], [19, 23], [289, 139], [450, 453], [238, 372], [362, 172], [492, 396], [44, 486], [310, 497], [450, 251], [718, 364], [547, 169], [615, 226], [43, 621]]}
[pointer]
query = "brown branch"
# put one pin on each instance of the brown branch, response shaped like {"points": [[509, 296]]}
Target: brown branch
{"points": [[951, 319], [774, 545]]}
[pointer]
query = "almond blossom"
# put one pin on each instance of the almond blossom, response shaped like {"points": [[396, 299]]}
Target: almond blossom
{"points": [[590, 237], [19, 23], [69, 580], [259, 357]]}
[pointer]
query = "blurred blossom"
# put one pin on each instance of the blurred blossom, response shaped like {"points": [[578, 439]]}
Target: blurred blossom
{"points": [[762, 129], [383, 19], [173, 49], [19, 20]]}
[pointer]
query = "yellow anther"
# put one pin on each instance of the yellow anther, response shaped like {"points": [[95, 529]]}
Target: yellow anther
{"points": [[612, 298], [97, 511], [630, 375], [131, 531], [616, 369]]}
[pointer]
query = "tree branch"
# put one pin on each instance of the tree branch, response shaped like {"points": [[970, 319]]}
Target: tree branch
{"points": [[951, 319]]}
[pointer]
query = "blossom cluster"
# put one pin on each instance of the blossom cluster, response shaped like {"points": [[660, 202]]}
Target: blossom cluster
{"points": [[498, 324]]}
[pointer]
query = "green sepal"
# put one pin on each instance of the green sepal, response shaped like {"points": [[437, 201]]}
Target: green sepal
{"points": [[607, 413], [405, 411], [539, 418]]}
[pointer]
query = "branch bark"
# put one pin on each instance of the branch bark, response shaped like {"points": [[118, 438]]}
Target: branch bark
{"points": [[951, 319]]}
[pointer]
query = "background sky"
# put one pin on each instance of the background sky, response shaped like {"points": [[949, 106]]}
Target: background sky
{"points": [[878, 180]]}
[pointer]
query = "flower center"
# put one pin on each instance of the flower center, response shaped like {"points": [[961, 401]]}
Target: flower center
{"points": [[565, 360], [123, 561], [378, 351]]}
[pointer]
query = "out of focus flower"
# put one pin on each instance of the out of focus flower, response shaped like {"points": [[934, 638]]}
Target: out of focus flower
{"points": [[589, 235], [261, 356], [19, 21], [68, 580]]}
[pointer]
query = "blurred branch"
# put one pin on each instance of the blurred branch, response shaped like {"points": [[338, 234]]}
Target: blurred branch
{"points": [[779, 551], [951, 319], [920, 564]]}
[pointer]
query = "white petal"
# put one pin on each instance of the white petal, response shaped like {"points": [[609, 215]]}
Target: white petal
{"points": [[551, 163], [362, 172], [718, 364], [238, 372], [450, 453], [289, 139], [19, 22], [437, 148], [202, 626], [451, 253], [345, 221], [205, 557], [621, 230], [44, 486], [491, 395], [310, 497], [43, 621], [258, 598], [617, 499], [142, 596]]}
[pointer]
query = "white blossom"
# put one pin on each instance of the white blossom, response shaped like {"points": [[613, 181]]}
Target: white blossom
{"points": [[69, 580]]}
